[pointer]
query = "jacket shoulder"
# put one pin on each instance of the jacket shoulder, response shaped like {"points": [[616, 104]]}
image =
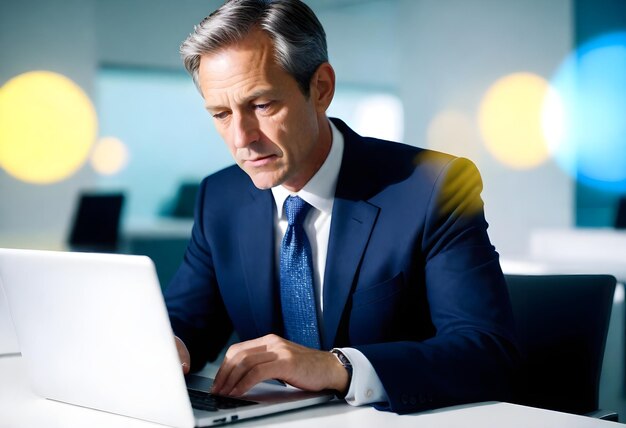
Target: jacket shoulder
{"points": [[228, 180], [226, 189]]}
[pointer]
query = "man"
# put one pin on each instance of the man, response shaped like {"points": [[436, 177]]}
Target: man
{"points": [[390, 266]]}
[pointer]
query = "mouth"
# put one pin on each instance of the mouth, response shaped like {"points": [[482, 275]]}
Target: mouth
{"points": [[260, 161]]}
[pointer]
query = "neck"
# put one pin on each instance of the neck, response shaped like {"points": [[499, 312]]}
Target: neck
{"points": [[319, 154]]}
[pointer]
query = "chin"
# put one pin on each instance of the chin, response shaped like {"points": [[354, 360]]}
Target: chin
{"points": [[264, 183], [262, 186], [268, 178]]}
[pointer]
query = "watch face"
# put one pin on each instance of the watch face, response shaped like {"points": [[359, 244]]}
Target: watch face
{"points": [[342, 359]]}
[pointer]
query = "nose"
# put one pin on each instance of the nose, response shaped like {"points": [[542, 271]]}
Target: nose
{"points": [[245, 129]]}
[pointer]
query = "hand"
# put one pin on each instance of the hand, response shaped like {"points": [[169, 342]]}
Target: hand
{"points": [[272, 357], [183, 355]]}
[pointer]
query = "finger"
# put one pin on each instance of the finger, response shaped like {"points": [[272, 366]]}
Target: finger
{"points": [[311, 370], [234, 355], [259, 373], [264, 341], [183, 355], [252, 362]]}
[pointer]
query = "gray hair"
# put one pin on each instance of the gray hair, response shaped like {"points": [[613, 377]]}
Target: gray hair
{"points": [[298, 36]]}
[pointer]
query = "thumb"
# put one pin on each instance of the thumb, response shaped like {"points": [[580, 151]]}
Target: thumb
{"points": [[183, 355]]}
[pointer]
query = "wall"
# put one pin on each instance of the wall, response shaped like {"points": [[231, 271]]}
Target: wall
{"points": [[145, 33], [452, 52], [435, 55], [55, 36], [74, 38]]}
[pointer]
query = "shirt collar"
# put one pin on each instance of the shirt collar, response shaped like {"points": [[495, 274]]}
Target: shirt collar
{"points": [[320, 190]]}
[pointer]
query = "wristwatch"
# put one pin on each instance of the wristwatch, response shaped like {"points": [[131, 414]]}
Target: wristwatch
{"points": [[345, 362]]}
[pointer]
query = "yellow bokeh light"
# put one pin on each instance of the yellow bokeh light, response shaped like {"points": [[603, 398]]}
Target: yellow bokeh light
{"points": [[510, 120], [47, 127], [109, 156]]}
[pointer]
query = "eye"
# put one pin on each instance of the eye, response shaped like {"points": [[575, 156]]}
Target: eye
{"points": [[262, 107], [221, 115]]}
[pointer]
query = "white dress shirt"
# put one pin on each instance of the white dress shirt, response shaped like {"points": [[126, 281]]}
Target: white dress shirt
{"points": [[319, 192]]}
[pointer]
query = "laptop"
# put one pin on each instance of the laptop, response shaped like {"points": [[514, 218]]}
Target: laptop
{"points": [[93, 331]]}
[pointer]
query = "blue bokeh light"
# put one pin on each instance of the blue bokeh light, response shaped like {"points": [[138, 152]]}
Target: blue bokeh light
{"points": [[591, 87]]}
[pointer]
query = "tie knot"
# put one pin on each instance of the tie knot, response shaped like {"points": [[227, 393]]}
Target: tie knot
{"points": [[296, 209]]}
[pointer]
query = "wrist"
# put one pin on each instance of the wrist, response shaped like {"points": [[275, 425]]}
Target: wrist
{"points": [[343, 368]]}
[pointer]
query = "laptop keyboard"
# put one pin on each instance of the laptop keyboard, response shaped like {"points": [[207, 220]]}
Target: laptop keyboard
{"points": [[212, 403]]}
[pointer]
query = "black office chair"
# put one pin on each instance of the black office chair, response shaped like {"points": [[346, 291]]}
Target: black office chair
{"points": [[182, 205], [620, 215], [562, 323], [96, 222]]}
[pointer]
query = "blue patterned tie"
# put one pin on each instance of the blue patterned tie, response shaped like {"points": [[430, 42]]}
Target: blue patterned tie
{"points": [[296, 278]]}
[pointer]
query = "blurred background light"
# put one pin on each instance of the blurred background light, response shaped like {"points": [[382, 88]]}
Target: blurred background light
{"points": [[370, 111], [109, 156], [454, 132], [380, 116], [591, 84], [510, 120], [47, 127]]}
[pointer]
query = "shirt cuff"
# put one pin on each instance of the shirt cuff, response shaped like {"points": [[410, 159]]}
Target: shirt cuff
{"points": [[365, 387]]}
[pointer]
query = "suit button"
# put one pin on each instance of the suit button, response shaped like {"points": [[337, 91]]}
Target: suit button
{"points": [[413, 400], [405, 399], [369, 393]]}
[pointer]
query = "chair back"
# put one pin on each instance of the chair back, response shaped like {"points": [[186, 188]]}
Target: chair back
{"points": [[185, 200], [97, 222], [562, 323], [620, 216]]}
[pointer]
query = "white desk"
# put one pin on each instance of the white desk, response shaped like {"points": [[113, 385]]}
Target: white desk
{"points": [[19, 407], [584, 251]]}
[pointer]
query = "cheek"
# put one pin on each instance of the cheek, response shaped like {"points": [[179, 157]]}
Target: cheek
{"points": [[274, 128], [287, 131]]}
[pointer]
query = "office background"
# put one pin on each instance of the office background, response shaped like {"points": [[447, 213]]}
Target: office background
{"points": [[433, 73], [438, 60]]}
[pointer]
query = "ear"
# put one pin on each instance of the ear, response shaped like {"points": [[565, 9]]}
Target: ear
{"points": [[323, 87]]}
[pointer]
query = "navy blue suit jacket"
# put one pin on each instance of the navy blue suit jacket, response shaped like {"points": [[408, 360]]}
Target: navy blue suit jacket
{"points": [[411, 280]]}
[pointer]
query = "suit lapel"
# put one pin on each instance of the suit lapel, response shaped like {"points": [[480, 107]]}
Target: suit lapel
{"points": [[256, 245], [352, 223], [349, 233]]}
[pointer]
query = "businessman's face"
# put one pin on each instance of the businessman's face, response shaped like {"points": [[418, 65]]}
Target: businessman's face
{"points": [[275, 133]]}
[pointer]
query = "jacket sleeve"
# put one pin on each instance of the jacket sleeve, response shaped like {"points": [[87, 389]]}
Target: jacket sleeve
{"points": [[473, 353], [193, 300]]}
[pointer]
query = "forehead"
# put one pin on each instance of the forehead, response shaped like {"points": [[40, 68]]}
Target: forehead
{"points": [[246, 66]]}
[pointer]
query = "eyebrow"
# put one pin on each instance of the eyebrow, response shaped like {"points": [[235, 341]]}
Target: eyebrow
{"points": [[254, 95]]}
